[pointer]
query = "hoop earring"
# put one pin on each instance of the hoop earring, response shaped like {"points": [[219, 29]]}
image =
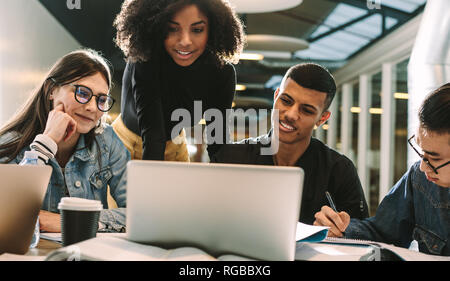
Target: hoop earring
{"points": [[101, 125]]}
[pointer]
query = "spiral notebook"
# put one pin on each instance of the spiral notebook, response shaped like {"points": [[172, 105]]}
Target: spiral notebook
{"points": [[385, 251]]}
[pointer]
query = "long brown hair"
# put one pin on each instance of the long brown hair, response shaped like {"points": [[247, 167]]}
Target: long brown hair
{"points": [[31, 119]]}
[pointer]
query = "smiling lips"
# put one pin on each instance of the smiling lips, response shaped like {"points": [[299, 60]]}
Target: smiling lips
{"points": [[84, 117], [183, 54], [286, 127]]}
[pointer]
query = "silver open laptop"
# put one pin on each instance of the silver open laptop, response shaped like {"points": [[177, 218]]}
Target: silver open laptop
{"points": [[22, 190], [224, 209]]}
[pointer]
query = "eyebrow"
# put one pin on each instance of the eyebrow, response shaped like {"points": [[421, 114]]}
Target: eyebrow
{"points": [[195, 23], [432, 153], [100, 93], [306, 104], [311, 107]]}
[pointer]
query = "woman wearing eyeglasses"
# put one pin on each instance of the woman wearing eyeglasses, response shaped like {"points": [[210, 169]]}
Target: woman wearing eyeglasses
{"points": [[418, 206], [178, 52], [64, 122]]}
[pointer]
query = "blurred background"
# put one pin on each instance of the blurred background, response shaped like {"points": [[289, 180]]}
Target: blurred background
{"points": [[370, 46]]}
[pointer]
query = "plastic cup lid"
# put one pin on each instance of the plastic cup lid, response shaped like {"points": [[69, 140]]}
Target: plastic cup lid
{"points": [[79, 204]]}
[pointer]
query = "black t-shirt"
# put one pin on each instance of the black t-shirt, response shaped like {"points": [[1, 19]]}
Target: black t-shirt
{"points": [[325, 170], [151, 92]]}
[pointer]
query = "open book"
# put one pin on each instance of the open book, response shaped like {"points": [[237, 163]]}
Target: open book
{"points": [[116, 247]]}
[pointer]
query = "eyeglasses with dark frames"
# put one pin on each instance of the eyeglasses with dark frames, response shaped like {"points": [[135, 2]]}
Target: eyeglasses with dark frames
{"points": [[425, 159], [83, 95]]}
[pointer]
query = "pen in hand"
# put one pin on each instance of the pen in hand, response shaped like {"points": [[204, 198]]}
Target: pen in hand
{"points": [[330, 200]]}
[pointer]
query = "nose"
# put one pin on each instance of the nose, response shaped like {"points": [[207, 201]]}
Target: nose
{"points": [[425, 168], [91, 105], [291, 114], [185, 39]]}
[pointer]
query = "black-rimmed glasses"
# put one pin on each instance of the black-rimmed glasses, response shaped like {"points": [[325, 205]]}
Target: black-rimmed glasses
{"points": [[83, 95], [425, 159]]}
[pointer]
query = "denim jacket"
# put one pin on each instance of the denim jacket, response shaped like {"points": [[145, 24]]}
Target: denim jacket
{"points": [[414, 209], [84, 177]]}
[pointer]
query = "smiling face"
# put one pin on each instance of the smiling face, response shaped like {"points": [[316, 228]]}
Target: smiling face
{"points": [[300, 109], [188, 35], [86, 115], [436, 149]]}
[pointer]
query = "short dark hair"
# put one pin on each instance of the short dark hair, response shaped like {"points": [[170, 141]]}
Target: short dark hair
{"points": [[314, 77], [142, 27], [434, 113]]}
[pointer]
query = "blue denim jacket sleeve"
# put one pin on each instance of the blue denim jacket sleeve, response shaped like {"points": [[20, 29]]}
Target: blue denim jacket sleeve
{"points": [[80, 181], [115, 219], [394, 219]]}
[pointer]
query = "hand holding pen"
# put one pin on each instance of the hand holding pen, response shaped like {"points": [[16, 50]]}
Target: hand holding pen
{"points": [[337, 221], [330, 200]]}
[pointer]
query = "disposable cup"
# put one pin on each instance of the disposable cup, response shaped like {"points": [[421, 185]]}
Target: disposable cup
{"points": [[79, 219]]}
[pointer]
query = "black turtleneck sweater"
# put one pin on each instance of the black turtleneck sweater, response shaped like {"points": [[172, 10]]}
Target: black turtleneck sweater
{"points": [[325, 170], [152, 91]]}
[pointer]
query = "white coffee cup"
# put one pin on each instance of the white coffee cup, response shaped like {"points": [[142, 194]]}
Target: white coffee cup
{"points": [[79, 204]]}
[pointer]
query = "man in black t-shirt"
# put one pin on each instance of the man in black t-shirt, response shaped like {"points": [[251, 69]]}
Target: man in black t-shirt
{"points": [[302, 101]]}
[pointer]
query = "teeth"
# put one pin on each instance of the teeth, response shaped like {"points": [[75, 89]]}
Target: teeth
{"points": [[287, 126], [183, 53]]}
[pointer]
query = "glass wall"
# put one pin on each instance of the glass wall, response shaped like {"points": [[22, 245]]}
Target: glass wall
{"points": [[353, 154], [401, 120], [382, 67], [373, 152], [337, 114], [375, 137]]}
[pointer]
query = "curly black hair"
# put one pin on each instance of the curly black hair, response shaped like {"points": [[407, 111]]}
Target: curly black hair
{"points": [[142, 26]]}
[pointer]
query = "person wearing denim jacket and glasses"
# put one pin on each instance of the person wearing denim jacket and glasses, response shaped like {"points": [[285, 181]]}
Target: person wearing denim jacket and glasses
{"points": [[64, 121], [418, 206]]}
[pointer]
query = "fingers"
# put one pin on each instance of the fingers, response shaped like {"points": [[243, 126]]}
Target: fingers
{"points": [[322, 219], [345, 219], [332, 231], [337, 222], [60, 125], [59, 107], [71, 128], [43, 212], [50, 222]]}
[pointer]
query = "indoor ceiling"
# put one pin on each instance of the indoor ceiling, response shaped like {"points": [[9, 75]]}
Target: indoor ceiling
{"points": [[335, 31]]}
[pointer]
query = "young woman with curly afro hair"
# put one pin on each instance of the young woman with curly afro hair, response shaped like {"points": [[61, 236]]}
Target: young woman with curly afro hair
{"points": [[178, 52]]}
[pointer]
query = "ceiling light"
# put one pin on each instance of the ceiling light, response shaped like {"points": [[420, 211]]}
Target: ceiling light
{"points": [[267, 42], [371, 110], [251, 56], [240, 87], [401, 96], [263, 6], [375, 110], [355, 110]]}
